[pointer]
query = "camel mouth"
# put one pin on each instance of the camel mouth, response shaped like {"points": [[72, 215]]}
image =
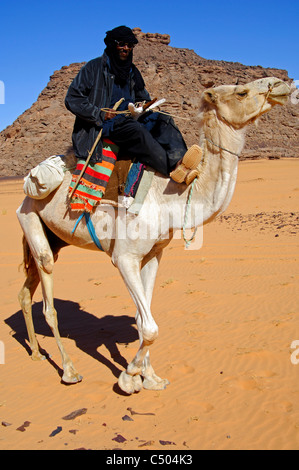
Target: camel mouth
{"points": [[279, 99], [280, 93]]}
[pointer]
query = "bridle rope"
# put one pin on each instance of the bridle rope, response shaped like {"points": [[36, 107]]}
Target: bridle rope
{"points": [[222, 148]]}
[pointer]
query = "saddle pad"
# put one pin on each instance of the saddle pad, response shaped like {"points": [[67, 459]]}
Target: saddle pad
{"points": [[124, 180], [142, 190], [93, 183], [133, 179]]}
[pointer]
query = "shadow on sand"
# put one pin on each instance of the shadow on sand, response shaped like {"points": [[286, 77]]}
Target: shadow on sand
{"points": [[88, 331]]}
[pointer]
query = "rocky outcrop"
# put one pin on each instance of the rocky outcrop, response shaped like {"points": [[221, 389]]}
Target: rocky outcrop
{"points": [[179, 75]]}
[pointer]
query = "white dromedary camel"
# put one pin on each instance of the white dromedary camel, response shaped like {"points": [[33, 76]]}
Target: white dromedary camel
{"points": [[47, 224]]}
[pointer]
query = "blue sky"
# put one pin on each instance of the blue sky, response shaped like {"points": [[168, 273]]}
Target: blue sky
{"points": [[40, 36]]}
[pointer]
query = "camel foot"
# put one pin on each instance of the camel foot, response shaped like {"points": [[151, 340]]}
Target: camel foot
{"points": [[37, 356], [71, 376], [74, 379], [155, 383], [129, 383]]}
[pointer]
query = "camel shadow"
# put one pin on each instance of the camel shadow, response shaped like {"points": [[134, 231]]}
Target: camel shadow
{"points": [[88, 331]]}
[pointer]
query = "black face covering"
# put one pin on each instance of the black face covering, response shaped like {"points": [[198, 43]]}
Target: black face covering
{"points": [[121, 69]]}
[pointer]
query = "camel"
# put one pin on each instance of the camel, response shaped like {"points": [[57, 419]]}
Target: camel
{"points": [[48, 223]]}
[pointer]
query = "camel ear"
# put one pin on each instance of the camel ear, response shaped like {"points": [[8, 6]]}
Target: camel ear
{"points": [[210, 96]]}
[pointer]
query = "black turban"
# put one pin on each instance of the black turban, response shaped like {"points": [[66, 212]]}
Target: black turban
{"points": [[121, 33]]}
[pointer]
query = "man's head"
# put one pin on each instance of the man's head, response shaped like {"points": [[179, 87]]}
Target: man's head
{"points": [[121, 40]]}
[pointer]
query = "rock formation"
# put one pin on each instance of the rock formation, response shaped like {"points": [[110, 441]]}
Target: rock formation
{"points": [[179, 75]]}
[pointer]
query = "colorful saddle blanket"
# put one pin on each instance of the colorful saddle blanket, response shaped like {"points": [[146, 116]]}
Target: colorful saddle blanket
{"points": [[94, 182]]}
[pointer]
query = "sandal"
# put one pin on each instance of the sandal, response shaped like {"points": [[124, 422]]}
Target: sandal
{"points": [[186, 169]]}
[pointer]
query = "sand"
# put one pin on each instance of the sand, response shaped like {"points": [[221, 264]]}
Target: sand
{"points": [[227, 317]]}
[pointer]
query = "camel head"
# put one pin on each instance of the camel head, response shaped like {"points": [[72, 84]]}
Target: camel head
{"points": [[238, 105]]}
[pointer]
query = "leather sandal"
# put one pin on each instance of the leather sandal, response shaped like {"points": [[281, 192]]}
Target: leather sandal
{"points": [[186, 169]]}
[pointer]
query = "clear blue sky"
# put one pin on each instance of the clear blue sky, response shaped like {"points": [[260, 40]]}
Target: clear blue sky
{"points": [[40, 36]]}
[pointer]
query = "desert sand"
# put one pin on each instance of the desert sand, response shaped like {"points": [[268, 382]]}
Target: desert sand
{"points": [[227, 317]]}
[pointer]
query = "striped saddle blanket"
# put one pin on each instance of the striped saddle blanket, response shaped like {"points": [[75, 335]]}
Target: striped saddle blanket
{"points": [[93, 183]]}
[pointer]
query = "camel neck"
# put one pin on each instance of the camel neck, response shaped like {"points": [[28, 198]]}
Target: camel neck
{"points": [[221, 145]]}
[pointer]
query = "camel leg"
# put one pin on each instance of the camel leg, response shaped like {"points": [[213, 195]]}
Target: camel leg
{"points": [[70, 375], [44, 260], [130, 380], [25, 299], [148, 275]]}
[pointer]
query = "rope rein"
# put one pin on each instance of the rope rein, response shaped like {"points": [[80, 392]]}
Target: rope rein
{"points": [[222, 148], [188, 207], [126, 112]]}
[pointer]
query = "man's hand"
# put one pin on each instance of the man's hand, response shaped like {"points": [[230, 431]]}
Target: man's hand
{"points": [[110, 114]]}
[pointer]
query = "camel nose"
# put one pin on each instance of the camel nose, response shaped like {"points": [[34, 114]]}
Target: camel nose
{"points": [[278, 87], [278, 92]]}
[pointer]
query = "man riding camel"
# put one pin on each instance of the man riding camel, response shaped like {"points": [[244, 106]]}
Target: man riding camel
{"points": [[152, 138]]}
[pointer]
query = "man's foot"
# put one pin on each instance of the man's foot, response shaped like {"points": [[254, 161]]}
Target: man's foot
{"points": [[186, 170]]}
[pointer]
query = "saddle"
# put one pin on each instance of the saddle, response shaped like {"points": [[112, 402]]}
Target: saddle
{"points": [[124, 180], [112, 181]]}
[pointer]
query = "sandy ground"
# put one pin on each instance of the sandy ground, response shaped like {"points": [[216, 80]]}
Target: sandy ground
{"points": [[227, 317]]}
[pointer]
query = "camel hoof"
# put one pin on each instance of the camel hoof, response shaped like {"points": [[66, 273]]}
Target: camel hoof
{"points": [[129, 383], [137, 383], [154, 384], [37, 356], [73, 378]]}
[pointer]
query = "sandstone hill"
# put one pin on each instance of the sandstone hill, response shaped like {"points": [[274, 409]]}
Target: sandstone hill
{"points": [[179, 75]]}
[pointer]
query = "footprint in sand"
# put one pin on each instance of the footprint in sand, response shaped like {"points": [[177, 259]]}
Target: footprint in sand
{"points": [[243, 383], [205, 406], [252, 380], [263, 374], [280, 406], [178, 369], [202, 407]]}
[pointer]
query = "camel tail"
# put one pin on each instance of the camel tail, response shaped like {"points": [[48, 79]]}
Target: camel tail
{"points": [[27, 256]]}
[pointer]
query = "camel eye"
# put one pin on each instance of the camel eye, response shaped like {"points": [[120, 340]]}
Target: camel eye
{"points": [[242, 94]]}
